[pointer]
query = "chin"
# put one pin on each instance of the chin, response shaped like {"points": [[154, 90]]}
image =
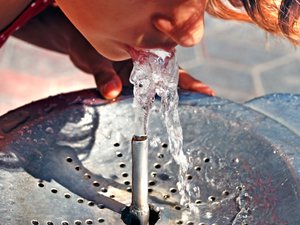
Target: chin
{"points": [[117, 57], [114, 54]]}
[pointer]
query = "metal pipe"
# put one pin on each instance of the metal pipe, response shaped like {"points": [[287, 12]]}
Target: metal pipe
{"points": [[140, 212], [139, 206]]}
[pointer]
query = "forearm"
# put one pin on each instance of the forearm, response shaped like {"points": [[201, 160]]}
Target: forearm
{"points": [[52, 30], [48, 30]]}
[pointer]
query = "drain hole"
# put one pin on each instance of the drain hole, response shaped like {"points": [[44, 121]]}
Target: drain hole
{"points": [[225, 193], [164, 145], [77, 222], [153, 174], [50, 223], [112, 196], [166, 196], [124, 174], [64, 223], [100, 220], [101, 206], [129, 189], [179, 222], [211, 198], [197, 168], [80, 200], [41, 185], [177, 207], [190, 223], [152, 182], [206, 159], [54, 191], [198, 202], [116, 144], [67, 195], [87, 176], [91, 203], [157, 166], [160, 155], [69, 159], [127, 182], [104, 190], [189, 177], [122, 165], [119, 154], [89, 221], [239, 188], [173, 190], [150, 190], [34, 222], [96, 184], [77, 168]]}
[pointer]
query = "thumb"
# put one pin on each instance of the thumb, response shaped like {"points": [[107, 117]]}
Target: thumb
{"points": [[109, 84]]}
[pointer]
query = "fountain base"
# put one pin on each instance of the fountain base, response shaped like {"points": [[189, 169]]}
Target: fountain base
{"points": [[67, 160]]}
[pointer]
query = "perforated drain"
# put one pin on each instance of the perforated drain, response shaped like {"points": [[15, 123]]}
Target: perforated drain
{"points": [[68, 161]]}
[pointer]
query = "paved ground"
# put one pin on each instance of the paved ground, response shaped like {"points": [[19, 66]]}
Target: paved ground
{"points": [[237, 60]]}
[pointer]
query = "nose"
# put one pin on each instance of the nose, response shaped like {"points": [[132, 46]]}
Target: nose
{"points": [[185, 28]]}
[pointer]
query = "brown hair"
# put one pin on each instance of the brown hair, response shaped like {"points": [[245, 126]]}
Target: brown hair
{"points": [[281, 17]]}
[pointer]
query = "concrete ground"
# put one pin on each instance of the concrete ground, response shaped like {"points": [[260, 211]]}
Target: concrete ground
{"points": [[237, 60]]}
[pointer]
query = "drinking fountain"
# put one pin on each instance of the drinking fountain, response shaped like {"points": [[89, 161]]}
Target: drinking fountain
{"points": [[71, 159]]}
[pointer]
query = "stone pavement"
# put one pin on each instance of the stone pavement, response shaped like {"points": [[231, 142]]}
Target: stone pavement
{"points": [[237, 60]]}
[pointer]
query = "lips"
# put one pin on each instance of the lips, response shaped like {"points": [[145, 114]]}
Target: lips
{"points": [[169, 47]]}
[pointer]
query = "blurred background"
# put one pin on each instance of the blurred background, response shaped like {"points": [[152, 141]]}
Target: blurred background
{"points": [[238, 60]]}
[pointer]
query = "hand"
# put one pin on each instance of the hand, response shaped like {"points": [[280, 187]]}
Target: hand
{"points": [[52, 30], [111, 84]]}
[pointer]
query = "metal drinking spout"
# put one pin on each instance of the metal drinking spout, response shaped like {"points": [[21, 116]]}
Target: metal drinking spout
{"points": [[139, 208], [140, 176], [139, 211]]}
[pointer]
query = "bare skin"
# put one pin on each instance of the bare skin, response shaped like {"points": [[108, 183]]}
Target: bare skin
{"points": [[136, 23], [10, 9], [52, 30]]}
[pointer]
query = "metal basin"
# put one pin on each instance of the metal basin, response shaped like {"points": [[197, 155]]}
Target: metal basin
{"points": [[66, 160]]}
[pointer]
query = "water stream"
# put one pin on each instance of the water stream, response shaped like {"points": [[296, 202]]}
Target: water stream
{"points": [[155, 72]]}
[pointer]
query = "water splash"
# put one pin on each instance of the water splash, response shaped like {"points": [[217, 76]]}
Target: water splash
{"points": [[155, 72]]}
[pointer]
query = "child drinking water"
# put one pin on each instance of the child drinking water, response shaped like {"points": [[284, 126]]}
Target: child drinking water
{"points": [[96, 34]]}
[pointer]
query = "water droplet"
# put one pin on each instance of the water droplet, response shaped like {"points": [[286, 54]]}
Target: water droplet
{"points": [[160, 61], [49, 130], [208, 215]]}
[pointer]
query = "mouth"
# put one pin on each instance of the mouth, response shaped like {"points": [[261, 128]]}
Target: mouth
{"points": [[168, 47]]}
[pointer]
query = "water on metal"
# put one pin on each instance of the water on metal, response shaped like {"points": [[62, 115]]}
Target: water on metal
{"points": [[67, 160]]}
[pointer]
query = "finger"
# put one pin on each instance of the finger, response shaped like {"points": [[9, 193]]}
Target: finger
{"points": [[123, 69], [109, 84], [187, 82]]}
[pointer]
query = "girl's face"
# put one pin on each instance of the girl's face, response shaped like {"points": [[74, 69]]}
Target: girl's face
{"points": [[112, 26]]}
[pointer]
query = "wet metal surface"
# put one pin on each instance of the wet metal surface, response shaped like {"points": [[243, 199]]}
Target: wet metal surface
{"points": [[67, 160]]}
